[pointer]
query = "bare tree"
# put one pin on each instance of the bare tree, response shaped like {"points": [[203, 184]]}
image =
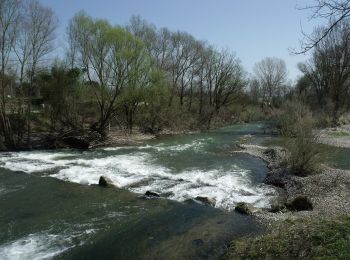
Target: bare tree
{"points": [[180, 62], [73, 48], [315, 70], [334, 11], [222, 82], [42, 25], [228, 79], [254, 90], [37, 34], [22, 48], [196, 71], [204, 69], [9, 18], [328, 70], [271, 74]]}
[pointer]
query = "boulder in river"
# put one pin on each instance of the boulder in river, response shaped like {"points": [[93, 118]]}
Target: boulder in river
{"points": [[278, 207], [299, 204], [244, 208], [105, 182], [152, 194], [206, 200]]}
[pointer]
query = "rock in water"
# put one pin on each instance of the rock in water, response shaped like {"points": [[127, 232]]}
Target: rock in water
{"points": [[300, 203], [151, 194], [206, 200], [105, 182], [278, 207], [244, 208]]}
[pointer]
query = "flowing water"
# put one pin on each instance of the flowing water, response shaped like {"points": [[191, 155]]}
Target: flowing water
{"points": [[337, 157], [50, 206]]}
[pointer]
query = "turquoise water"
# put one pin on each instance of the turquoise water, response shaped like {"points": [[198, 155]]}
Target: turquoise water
{"points": [[337, 157], [50, 206]]}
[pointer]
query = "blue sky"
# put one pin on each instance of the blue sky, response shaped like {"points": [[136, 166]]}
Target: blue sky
{"points": [[253, 29]]}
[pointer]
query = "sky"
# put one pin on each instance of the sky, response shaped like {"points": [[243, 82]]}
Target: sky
{"points": [[253, 29]]}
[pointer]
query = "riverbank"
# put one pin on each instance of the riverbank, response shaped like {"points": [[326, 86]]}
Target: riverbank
{"points": [[116, 137], [316, 238], [328, 189], [293, 233], [121, 138]]}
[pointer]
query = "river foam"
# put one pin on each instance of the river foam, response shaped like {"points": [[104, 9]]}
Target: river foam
{"points": [[138, 172], [30, 162], [41, 245], [195, 145]]}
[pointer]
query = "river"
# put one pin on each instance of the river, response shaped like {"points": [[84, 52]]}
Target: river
{"points": [[50, 206]]}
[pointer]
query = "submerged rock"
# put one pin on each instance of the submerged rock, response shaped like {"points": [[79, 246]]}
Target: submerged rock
{"points": [[167, 194], [300, 203], [84, 182], [152, 194], [206, 200], [105, 182]]}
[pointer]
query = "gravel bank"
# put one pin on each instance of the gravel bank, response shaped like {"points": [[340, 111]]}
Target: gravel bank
{"points": [[328, 190]]}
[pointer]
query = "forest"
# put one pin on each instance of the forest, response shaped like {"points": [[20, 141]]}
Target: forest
{"points": [[140, 76]]}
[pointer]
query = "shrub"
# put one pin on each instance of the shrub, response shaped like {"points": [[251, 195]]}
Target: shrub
{"points": [[293, 116], [251, 113], [323, 120], [303, 157], [344, 119], [296, 123]]}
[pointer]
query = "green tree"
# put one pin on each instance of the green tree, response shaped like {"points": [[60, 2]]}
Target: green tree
{"points": [[155, 106], [115, 59]]}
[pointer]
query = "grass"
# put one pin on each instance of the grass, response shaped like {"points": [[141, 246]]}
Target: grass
{"points": [[298, 239]]}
